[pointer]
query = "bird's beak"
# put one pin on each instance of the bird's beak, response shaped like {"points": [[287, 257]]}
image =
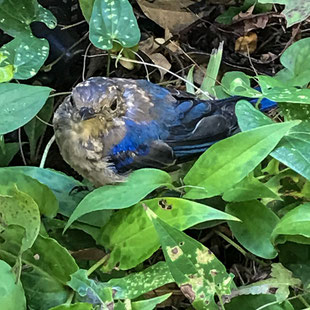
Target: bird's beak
{"points": [[87, 113]]}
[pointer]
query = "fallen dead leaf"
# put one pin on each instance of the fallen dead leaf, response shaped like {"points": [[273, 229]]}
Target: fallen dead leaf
{"points": [[148, 47], [174, 15]]}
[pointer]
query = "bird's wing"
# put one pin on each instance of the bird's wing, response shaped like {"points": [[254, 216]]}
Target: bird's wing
{"points": [[164, 125]]}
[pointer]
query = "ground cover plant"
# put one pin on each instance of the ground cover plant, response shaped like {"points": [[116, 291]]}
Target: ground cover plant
{"points": [[228, 230]]}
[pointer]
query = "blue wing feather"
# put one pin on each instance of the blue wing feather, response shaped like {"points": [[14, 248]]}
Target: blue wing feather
{"points": [[172, 125]]}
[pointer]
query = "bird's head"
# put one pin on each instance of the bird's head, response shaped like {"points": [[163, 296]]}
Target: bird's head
{"points": [[93, 107]]}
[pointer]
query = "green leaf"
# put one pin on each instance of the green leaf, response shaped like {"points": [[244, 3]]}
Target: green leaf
{"points": [[12, 296], [39, 192], [289, 94], [47, 268], [255, 230], [20, 209], [227, 162], [87, 8], [296, 60], [36, 128], [190, 77], [139, 283], [196, 270], [27, 53], [255, 302], [247, 189], [294, 12], [60, 184], [132, 238], [283, 279], [92, 291], [19, 103], [77, 306], [294, 226], [122, 195], [237, 83], [149, 304], [113, 21], [292, 150], [23, 13], [8, 152], [213, 67]]}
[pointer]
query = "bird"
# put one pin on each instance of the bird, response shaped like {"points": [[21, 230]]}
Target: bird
{"points": [[108, 127]]}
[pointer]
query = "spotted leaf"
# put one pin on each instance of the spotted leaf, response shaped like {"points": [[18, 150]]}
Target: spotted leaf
{"points": [[196, 270], [113, 21]]}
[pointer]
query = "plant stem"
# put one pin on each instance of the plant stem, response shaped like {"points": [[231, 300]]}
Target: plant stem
{"points": [[240, 249], [108, 64], [97, 265]]}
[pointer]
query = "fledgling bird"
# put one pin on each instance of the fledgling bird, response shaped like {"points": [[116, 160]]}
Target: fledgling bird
{"points": [[110, 126]]}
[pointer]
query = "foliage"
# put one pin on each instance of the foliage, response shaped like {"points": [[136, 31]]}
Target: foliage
{"points": [[254, 186]]}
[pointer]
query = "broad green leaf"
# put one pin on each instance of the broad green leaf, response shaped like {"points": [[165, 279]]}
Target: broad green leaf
{"points": [[139, 184], [196, 270], [113, 21], [36, 128], [40, 193], [296, 60], [86, 8], [139, 283], [255, 230], [19, 103], [294, 226], [60, 184], [12, 296], [292, 150], [19, 208], [149, 304], [227, 162], [294, 12], [47, 268], [237, 83], [23, 13], [247, 189], [292, 111], [90, 290], [27, 53], [8, 152], [255, 302], [289, 94], [132, 238], [213, 67], [77, 306]]}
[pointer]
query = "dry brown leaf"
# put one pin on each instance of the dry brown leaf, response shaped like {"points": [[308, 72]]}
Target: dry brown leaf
{"points": [[246, 44], [148, 46], [243, 15], [173, 15], [258, 22]]}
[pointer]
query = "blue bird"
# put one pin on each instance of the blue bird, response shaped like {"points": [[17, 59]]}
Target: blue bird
{"points": [[108, 127]]}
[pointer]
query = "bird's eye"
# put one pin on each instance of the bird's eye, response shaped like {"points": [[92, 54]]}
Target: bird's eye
{"points": [[113, 105]]}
